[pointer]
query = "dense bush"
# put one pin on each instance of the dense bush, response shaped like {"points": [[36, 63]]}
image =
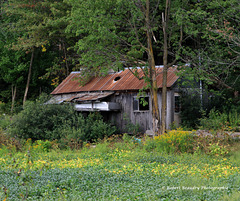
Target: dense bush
{"points": [[40, 121], [5, 121], [178, 141], [4, 108], [226, 121], [190, 109], [9, 142], [175, 141], [79, 129]]}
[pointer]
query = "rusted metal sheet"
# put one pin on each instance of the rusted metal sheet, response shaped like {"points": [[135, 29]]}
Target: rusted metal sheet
{"points": [[89, 97], [123, 80]]}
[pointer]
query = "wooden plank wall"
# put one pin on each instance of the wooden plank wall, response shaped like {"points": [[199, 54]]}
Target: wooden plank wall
{"points": [[127, 116], [143, 118]]}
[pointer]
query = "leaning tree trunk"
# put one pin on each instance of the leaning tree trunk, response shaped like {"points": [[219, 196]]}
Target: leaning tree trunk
{"points": [[29, 77], [165, 68], [153, 80]]}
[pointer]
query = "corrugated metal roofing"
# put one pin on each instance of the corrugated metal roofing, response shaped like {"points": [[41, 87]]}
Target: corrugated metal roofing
{"points": [[89, 96], [127, 81]]}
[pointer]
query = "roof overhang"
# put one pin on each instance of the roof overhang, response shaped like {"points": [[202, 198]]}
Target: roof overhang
{"points": [[89, 97], [88, 101]]}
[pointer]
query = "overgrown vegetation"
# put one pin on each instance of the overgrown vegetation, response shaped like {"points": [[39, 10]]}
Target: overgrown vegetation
{"points": [[225, 121], [40, 121], [190, 109], [50, 152], [213, 113], [177, 165], [118, 168], [175, 141]]}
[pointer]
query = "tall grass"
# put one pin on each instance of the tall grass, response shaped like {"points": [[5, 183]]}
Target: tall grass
{"points": [[226, 121]]}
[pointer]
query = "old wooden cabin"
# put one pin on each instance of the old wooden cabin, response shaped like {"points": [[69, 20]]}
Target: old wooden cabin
{"points": [[116, 96]]}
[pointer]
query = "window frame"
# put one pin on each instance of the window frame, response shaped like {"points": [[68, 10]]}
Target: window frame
{"points": [[178, 102], [136, 99]]}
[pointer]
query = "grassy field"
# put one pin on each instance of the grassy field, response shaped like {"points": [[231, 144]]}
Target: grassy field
{"points": [[117, 172]]}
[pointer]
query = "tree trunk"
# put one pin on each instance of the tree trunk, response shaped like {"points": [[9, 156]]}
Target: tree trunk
{"points": [[66, 61], [165, 69], [153, 80], [14, 92], [29, 77]]}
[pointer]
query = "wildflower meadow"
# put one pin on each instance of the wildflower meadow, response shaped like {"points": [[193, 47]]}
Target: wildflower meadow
{"points": [[112, 170]]}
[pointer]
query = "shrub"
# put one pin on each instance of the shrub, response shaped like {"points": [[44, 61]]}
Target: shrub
{"points": [[212, 145], [150, 144], [96, 128], [172, 142], [4, 108], [79, 129], [227, 121], [40, 121], [10, 143], [190, 109], [216, 149], [37, 120], [42, 146], [131, 128], [5, 121]]}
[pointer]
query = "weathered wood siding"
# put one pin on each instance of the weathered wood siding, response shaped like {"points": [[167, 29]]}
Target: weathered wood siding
{"points": [[127, 115], [143, 118]]}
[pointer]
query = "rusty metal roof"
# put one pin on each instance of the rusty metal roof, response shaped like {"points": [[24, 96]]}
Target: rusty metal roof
{"points": [[125, 81], [89, 96]]}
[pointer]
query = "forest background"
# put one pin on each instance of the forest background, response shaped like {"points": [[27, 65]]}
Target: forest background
{"points": [[50, 152], [42, 41]]}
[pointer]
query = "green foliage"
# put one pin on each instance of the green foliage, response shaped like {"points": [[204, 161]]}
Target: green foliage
{"points": [[42, 146], [150, 144], [100, 35], [217, 150], [5, 121], [214, 57], [112, 34], [79, 129], [8, 143], [213, 145], [235, 196], [178, 141], [110, 173], [234, 153], [175, 141], [131, 128], [226, 121], [190, 109], [95, 128], [39, 25], [37, 119], [40, 121]]}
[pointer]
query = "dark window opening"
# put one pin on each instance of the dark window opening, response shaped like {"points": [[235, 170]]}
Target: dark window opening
{"points": [[177, 104], [141, 104]]}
